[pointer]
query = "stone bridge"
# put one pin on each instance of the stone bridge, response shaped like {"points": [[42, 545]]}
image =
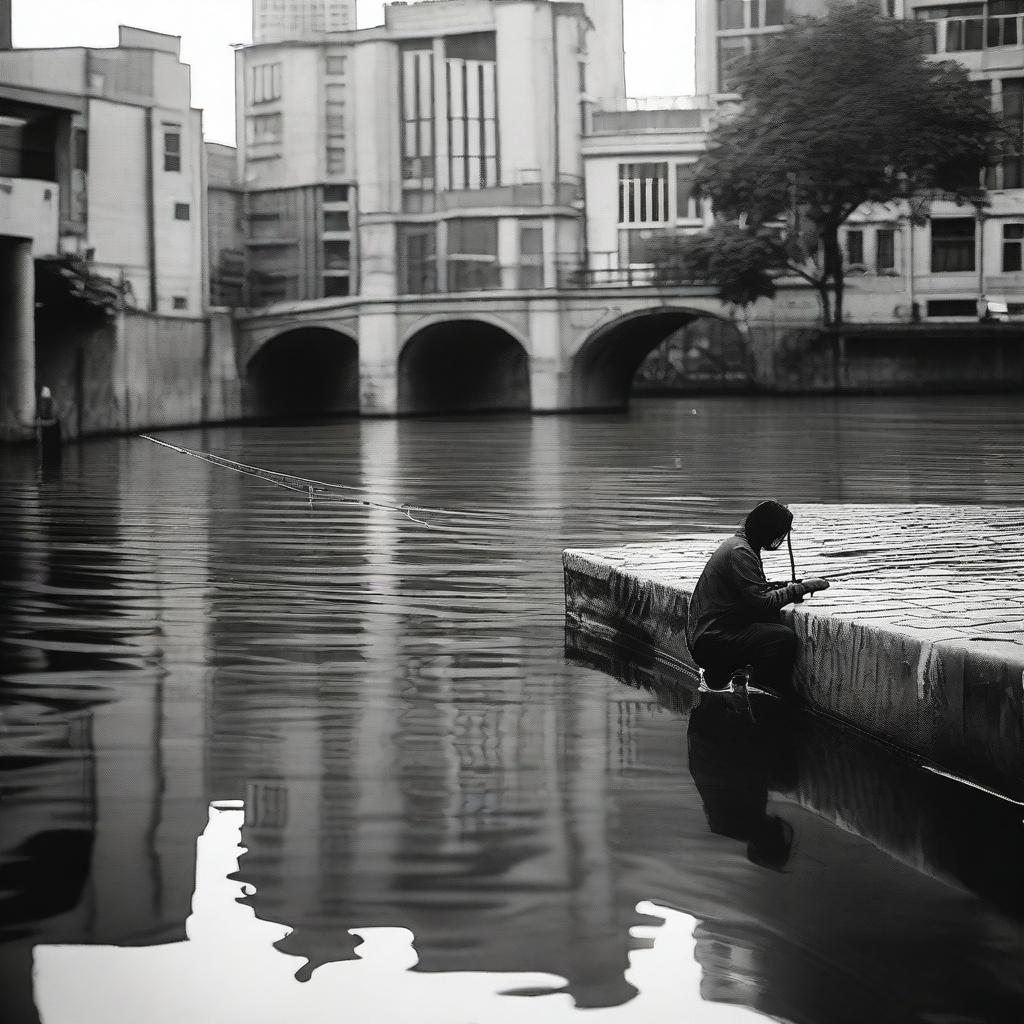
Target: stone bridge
{"points": [[541, 350]]}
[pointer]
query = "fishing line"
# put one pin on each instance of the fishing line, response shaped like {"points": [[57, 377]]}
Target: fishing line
{"points": [[313, 489]]}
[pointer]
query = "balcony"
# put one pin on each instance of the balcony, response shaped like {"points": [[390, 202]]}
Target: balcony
{"points": [[651, 114]]}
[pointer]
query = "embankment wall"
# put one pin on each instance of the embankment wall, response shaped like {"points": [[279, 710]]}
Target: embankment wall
{"points": [[139, 371]]}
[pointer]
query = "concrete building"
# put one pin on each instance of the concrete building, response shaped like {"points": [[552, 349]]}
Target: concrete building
{"points": [[101, 157], [275, 21], [438, 152], [124, 158], [961, 259], [225, 211], [638, 160]]}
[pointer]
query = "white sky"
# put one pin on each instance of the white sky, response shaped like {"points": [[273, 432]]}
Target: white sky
{"points": [[659, 41]]}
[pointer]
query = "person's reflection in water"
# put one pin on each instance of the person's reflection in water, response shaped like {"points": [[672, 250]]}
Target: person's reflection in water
{"points": [[734, 761]]}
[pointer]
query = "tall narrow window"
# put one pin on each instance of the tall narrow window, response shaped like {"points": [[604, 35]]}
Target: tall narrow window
{"points": [[1013, 241], [885, 251], [643, 193], [854, 248], [417, 258], [687, 197], [472, 123], [531, 255], [418, 118], [1012, 164], [172, 147], [952, 245]]}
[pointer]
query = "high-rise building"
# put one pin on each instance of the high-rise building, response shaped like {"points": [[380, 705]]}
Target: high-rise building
{"points": [[963, 260], [438, 152], [275, 21]]}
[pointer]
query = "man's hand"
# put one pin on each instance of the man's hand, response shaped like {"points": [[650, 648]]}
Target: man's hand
{"points": [[813, 584]]}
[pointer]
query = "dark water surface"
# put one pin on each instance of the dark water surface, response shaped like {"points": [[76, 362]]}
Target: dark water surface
{"points": [[382, 715]]}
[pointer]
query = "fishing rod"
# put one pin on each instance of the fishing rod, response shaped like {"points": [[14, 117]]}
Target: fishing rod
{"points": [[313, 489]]}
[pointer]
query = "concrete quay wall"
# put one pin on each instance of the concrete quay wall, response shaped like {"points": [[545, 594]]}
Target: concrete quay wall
{"points": [[140, 371], [888, 359], [919, 642]]}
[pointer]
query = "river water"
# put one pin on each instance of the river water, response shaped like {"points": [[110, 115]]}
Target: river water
{"points": [[267, 760]]}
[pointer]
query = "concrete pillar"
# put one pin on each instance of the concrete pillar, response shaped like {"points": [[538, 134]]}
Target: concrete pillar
{"points": [[508, 252], [378, 361], [17, 340], [378, 245], [548, 379]]}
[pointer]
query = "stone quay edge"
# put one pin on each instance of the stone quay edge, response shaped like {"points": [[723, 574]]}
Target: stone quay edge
{"points": [[919, 642]]}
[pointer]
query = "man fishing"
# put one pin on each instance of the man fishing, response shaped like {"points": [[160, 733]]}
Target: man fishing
{"points": [[733, 626]]}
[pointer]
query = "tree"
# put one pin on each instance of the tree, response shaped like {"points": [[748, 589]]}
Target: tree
{"points": [[838, 111], [743, 263]]}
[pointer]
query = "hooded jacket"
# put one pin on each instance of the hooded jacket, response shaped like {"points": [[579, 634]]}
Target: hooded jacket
{"points": [[732, 592]]}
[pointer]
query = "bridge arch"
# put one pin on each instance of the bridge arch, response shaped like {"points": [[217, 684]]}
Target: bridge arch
{"points": [[605, 363], [303, 371], [463, 365]]}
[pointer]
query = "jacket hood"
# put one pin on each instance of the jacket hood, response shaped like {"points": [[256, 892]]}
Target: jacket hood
{"points": [[767, 522]]}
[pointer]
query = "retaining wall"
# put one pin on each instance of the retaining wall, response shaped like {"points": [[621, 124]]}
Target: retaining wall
{"points": [[919, 642], [139, 371]]}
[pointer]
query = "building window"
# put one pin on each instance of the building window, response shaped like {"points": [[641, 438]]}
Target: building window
{"points": [[182, 211], [643, 193], [336, 193], [952, 245], [172, 147], [80, 150], [417, 258], [885, 251], [179, 302], [854, 248], [337, 255], [687, 195], [531, 255], [335, 160], [418, 118], [731, 50], [473, 254], [744, 14], [261, 129], [956, 27], [336, 286], [1012, 165], [472, 123], [952, 307], [264, 83], [335, 65], [1013, 240], [336, 220], [1003, 24]]}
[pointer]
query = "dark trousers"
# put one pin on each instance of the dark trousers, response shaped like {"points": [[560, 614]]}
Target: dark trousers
{"points": [[768, 647]]}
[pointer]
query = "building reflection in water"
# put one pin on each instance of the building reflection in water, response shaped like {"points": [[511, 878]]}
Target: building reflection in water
{"points": [[229, 970], [833, 878], [95, 825], [422, 770]]}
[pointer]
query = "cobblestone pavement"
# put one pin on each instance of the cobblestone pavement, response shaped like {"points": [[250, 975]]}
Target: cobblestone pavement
{"points": [[943, 573]]}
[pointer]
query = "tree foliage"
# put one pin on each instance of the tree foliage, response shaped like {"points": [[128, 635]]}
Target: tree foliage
{"points": [[839, 111], [742, 263]]}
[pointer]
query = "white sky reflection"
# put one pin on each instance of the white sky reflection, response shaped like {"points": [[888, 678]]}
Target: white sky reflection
{"points": [[227, 972]]}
